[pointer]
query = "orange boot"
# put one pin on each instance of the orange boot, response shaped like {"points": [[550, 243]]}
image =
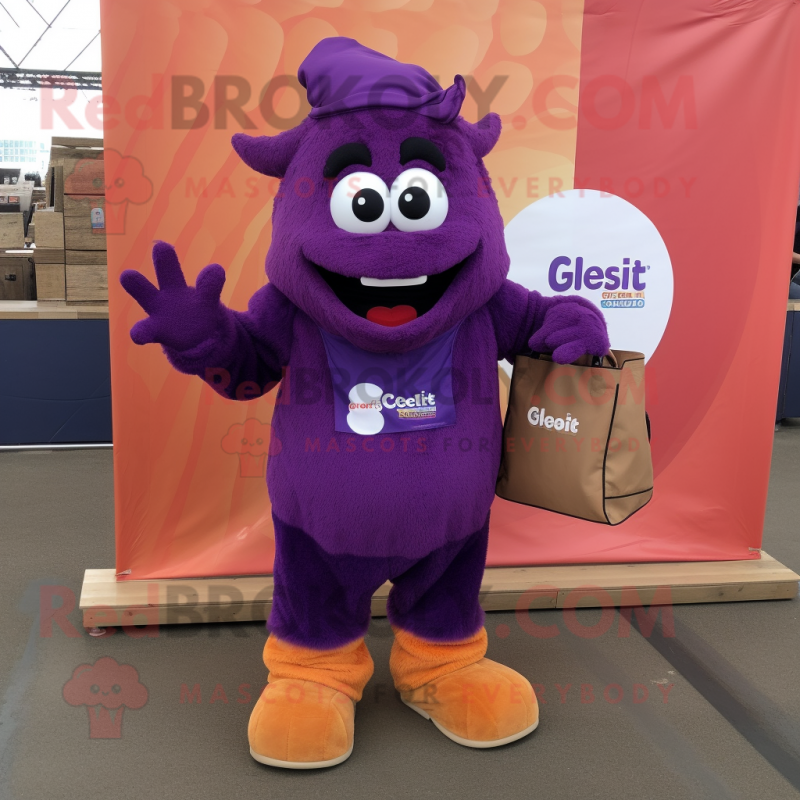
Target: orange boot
{"points": [[471, 700], [304, 717]]}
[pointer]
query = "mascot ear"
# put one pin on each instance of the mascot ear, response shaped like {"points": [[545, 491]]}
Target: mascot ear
{"points": [[269, 155], [483, 135]]}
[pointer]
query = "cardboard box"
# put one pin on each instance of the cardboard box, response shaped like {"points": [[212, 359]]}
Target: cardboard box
{"points": [[86, 282], [87, 257], [55, 188], [79, 205], [12, 231], [48, 255], [50, 229], [80, 235], [17, 277], [82, 170], [50, 282]]}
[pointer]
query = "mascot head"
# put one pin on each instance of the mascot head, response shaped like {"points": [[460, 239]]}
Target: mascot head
{"points": [[385, 229]]}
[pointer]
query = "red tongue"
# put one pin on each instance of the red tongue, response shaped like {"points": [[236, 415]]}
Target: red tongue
{"points": [[391, 317]]}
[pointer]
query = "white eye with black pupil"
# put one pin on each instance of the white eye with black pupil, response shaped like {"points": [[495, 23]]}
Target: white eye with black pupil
{"points": [[414, 203], [368, 205], [419, 201], [360, 203]]}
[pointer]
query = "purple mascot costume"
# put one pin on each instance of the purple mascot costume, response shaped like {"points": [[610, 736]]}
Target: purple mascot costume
{"points": [[388, 302]]}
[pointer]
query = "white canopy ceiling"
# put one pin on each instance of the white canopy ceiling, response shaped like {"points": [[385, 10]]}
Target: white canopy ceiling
{"points": [[50, 34]]}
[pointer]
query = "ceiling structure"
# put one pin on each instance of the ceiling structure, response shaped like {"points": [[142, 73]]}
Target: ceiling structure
{"points": [[37, 78], [50, 43]]}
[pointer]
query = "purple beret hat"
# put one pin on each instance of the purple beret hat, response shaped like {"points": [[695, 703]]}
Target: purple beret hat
{"points": [[340, 74]]}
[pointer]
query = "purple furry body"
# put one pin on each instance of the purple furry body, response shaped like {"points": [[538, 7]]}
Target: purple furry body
{"points": [[323, 600], [382, 495], [373, 506]]}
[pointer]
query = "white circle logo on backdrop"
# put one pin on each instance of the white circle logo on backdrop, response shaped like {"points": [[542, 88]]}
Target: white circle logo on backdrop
{"points": [[601, 247]]}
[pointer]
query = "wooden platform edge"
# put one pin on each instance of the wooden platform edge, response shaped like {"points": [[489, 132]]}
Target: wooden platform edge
{"points": [[105, 601]]}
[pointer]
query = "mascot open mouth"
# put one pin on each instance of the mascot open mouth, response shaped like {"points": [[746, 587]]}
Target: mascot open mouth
{"points": [[393, 301]]}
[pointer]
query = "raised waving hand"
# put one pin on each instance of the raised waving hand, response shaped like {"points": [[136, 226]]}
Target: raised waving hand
{"points": [[180, 317]]}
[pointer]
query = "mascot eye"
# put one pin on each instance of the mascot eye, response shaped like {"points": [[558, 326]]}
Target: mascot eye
{"points": [[419, 201], [360, 203]]}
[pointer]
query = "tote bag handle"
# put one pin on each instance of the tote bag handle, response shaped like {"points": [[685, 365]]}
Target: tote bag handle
{"points": [[596, 361]]}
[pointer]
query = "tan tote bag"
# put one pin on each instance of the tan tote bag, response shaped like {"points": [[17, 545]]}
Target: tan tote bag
{"points": [[576, 437]]}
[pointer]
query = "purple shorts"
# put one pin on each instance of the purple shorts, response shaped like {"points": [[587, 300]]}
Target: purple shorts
{"points": [[322, 601]]}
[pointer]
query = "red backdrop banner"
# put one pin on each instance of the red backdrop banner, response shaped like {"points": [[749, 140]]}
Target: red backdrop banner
{"points": [[666, 133]]}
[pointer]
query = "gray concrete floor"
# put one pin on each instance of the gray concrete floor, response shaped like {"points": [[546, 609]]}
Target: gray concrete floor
{"points": [[729, 726]]}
